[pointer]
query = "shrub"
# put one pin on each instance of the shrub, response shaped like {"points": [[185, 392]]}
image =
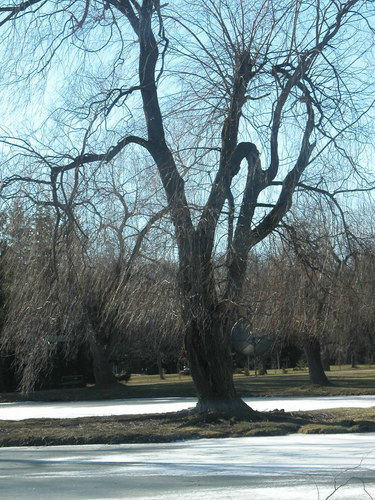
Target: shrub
{"points": [[301, 366], [262, 369]]}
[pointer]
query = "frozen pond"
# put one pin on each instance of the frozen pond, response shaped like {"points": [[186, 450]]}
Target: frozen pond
{"points": [[283, 467], [28, 409]]}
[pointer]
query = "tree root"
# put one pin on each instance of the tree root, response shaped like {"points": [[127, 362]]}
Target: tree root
{"points": [[231, 411]]}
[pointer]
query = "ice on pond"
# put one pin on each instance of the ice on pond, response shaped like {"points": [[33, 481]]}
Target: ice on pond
{"points": [[277, 467], [30, 409]]}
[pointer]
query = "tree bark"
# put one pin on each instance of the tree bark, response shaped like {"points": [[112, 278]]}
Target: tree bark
{"points": [[208, 346], [278, 360], [314, 361], [160, 366], [103, 373], [325, 360]]}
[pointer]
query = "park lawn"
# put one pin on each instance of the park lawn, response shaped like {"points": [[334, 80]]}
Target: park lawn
{"points": [[344, 381]]}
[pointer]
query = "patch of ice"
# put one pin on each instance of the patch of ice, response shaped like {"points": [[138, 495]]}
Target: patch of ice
{"points": [[29, 409]]}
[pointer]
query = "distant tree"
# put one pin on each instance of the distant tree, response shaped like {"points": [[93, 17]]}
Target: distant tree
{"points": [[151, 315], [61, 295], [6, 378], [353, 332], [30, 294], [317, 261], [320, 273]]}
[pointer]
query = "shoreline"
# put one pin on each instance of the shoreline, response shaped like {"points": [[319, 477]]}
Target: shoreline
{"points": [[179, 426]]}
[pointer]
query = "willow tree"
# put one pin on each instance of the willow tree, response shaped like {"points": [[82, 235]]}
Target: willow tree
{"points": [[315, 255], [232, 102]]}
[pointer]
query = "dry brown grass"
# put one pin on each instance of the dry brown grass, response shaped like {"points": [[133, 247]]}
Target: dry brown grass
{"points": [[178, 426]]}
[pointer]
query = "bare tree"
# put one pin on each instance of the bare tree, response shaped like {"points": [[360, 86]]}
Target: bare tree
{"points": [[288, 75], [319, 258], [64, 281], [151, 314], [321, 296], [31, 299], [354, 315]]}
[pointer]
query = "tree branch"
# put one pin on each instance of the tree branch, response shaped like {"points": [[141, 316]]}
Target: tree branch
{"points": [[15, 10], [289, 185], [125, 8], [103, 157], [231, 154]]}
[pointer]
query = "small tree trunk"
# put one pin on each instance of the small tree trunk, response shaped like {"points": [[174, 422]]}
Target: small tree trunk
{"points": [[103, 374], [160, 366], [278, 360], [314, 361]]}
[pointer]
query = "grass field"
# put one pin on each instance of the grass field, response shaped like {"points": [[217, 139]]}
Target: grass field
{"points": [[344, 381]]}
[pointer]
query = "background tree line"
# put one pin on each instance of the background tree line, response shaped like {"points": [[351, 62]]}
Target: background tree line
{"points": [[310, 291]]}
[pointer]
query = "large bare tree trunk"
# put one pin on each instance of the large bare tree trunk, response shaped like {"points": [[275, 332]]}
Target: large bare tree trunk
{"points": [[103, 373], [209, 349], [314, 361]]}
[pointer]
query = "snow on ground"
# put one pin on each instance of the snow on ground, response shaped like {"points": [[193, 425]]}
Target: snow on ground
{"points": [[30, 409], [282, 467]]}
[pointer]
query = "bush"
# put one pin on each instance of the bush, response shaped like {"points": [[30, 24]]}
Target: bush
{"points": [[262, 369], [301, 366], [124, 376]]}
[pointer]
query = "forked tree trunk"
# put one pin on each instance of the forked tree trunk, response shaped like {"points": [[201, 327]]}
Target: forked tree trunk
{"points": [[314, 361], [211, 368]]}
